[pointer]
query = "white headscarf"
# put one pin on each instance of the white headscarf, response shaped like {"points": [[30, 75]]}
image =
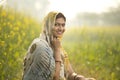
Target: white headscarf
{"points": [[48, 25]]}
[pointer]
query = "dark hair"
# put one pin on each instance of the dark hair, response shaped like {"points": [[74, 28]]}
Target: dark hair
{"points": [[59, 15]]}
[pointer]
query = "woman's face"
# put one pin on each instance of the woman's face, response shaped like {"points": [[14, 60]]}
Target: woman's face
{"points": [[59, 27]]}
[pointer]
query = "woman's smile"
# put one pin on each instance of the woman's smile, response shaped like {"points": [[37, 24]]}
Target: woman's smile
{"points": [[59, 32]]}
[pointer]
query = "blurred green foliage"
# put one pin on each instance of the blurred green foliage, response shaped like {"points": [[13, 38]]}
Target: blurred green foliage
{"points": [[16, 33], [93, 51]]}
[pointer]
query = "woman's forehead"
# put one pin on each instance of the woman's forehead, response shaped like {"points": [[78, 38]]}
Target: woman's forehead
{"points": [[61, 20]]}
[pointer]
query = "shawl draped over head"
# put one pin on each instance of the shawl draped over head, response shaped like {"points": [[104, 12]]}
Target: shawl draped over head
{"points": [[48, 25], [39, 63], [46, 35]]}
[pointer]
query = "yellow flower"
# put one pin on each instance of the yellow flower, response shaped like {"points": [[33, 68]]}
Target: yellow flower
{"points": [[23, 33], [11, 17], [4, 24], [0, 28], [16, 28], [2, 43], [3, 13], [18, 23], [12, 33]]}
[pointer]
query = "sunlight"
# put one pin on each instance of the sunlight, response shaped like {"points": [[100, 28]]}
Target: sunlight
{"points": [[37, 5], [2, 2], [72, 7]]}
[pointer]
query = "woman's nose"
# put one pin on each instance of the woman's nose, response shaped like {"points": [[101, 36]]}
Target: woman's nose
{"points": [[60, 27]]}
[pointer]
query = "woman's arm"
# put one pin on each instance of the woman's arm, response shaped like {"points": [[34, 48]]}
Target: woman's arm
{"points": [[73, 76], [70, 74], [57, 63], [56, 45]]}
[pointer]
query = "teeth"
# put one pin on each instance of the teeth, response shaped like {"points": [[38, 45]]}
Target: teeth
{"points": [[59, 32]]}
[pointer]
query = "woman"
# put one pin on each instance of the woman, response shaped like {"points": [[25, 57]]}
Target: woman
{"points": [[46, 59]]}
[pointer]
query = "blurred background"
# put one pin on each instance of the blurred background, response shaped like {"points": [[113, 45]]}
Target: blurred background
{"points": [[92, 37], [78, 13]]}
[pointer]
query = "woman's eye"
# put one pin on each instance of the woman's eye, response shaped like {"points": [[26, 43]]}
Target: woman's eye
{"points": [[58, 24]]}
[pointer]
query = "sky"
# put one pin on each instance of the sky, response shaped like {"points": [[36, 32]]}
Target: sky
{"points": [[71, 7]]}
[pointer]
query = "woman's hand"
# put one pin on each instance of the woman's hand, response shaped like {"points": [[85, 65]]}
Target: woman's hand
{"points": [[90, 79], [56, 44], [79, 77]]}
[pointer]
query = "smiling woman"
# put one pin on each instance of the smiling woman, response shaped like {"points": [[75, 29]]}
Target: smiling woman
{"points": [[46, 59]]}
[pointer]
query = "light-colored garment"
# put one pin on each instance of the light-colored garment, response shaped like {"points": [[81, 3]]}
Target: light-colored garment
{"points": [[39, 63]]}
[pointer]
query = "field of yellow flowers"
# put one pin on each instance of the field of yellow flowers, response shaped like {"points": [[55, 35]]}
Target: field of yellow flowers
{"points": [[93, 51], [16, 33]]}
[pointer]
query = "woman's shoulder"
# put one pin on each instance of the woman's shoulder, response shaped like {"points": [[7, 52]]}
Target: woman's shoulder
{"points": [[39, 43], [39, 47]]}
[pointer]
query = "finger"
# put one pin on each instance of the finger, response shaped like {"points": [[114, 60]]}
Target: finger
{"points": [[90, 79], [54, 38], [80, 77], [58, 38], [51, 37]]}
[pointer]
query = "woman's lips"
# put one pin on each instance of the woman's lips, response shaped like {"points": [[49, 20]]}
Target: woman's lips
{"points": [[59, 32]]}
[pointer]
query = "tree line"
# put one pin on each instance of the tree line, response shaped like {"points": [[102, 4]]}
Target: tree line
{"points": [[108, 18]]}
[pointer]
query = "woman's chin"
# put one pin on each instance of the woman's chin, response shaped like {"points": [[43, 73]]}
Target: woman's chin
{"points": [[59, 36]]}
